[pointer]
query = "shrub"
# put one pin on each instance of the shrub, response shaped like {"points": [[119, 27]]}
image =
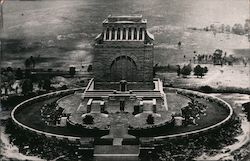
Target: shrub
{"points": [[64, 87], [200, 71], [88, 119], [186, 70], [136, 110], [150, 119], [206, 89], [105, 112]]}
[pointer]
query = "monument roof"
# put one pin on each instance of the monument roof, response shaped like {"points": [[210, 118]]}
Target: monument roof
{"points": [[125, 19]]}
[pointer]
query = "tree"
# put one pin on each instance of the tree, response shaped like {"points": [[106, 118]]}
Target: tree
{"points": [[228, 28], [150, 119], [238, 29], [9, 69], [47, 84], [88, 119], [19, 73], [205, 70], [247, 26], [200, 71], [178, 70], [186, 70], [197, 70], [72, 71], [89, 68], [10, 77], [30, 63], [40, 85], [27, 73], [222, 28], [27, 63], [33, 63], [27, 86]]}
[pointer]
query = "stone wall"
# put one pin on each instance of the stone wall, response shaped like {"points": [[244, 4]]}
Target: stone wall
{"points": [[145, 130]]}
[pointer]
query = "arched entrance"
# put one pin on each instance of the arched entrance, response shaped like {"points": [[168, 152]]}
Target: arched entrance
{"points": [[123, 68]]}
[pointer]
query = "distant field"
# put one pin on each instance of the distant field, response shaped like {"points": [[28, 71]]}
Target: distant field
{"points": [[218, 77]]}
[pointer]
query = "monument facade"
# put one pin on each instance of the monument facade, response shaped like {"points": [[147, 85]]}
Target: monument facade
{"points": [[124, 51]]}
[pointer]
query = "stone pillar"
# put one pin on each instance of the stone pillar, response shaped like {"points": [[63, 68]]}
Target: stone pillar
{"points": [[154, 106], [138, 32], [88, 108], [102, 105], [110, 34], [132, 33], [143, 34], [126, 33], [121, 34], [115, 34], [89, 105], [140, 104], [104, 34]]}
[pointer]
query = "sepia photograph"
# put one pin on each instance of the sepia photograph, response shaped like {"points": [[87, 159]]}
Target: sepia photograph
{"points": [[125, 80]]}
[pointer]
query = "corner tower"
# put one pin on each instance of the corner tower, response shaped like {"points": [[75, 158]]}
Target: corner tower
{"points": [[124, 51]]}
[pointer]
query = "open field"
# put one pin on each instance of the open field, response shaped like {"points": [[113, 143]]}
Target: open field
{"points": [[217, 77]]}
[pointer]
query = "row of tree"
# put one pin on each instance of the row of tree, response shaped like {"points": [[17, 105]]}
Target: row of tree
{"points": [[237, 28], [28, 85], [187, 69]]}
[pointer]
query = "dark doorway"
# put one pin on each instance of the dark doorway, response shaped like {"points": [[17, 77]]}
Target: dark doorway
{"points": [[123, 68]]}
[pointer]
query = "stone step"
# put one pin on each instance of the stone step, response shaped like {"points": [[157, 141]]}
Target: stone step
{"points": [[117, 141], [119, 158], [116, 151]]}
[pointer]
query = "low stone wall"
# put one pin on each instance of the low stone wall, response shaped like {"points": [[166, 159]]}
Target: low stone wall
{"points": [[209, 98], [30, 101], [132, 131]]}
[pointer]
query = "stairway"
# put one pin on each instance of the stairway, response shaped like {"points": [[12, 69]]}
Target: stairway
{"points": [[116, 151]]}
